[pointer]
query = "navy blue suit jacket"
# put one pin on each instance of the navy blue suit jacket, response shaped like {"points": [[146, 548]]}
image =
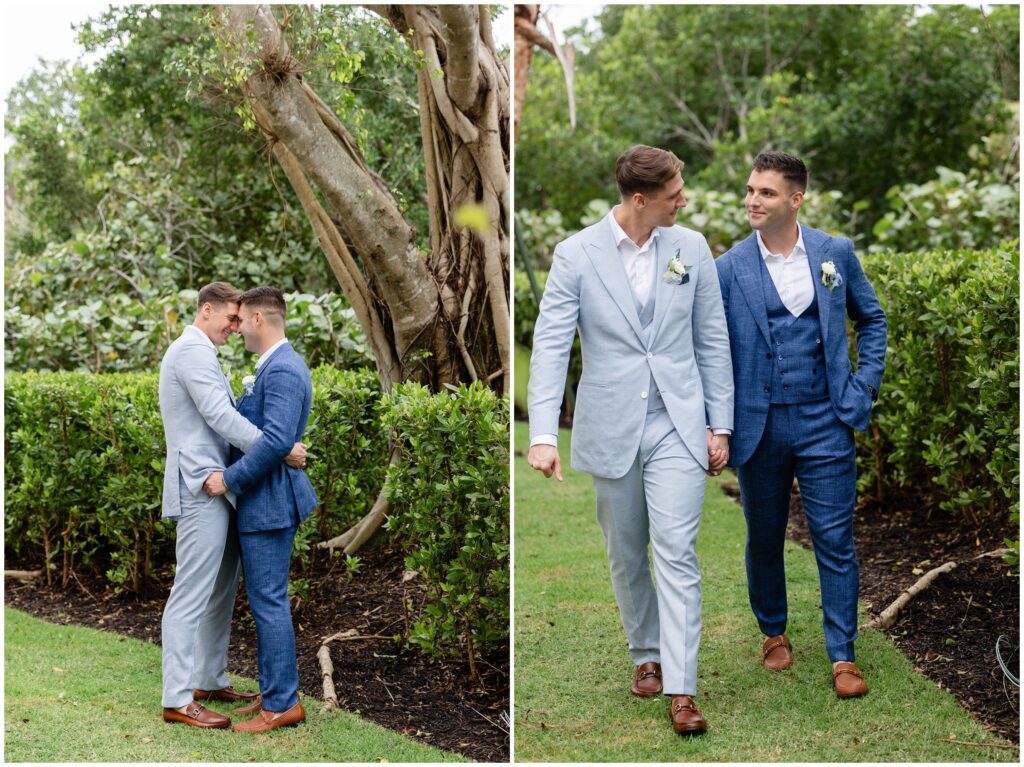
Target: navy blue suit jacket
{"points": [[270, 494], [739, 275]]}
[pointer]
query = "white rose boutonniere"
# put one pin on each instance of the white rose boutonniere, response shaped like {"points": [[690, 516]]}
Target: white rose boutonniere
{"points": [[677, 272], [249, 382], [830, 278]]}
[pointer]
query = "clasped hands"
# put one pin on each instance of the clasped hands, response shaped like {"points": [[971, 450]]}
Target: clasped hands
{"points": [[215, 485]]}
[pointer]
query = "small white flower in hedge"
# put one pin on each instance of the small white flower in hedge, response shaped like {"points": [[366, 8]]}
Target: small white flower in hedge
{"points": [[676, 273], [248, 382], [830, 278]]}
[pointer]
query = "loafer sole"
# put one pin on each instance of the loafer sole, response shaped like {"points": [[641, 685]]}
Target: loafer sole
{"points": [[641, 694], [200, 725]]}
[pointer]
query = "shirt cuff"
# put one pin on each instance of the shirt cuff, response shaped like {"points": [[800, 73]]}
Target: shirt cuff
{"points": [[716, 430], [545, 439]]}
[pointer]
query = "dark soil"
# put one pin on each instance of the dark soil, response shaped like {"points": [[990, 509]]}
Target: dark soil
{"points": [[430, 699], [950, 630]]}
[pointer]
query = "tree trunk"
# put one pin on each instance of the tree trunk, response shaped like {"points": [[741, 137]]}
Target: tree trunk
{"points": [[415, 309], [412, 308]]}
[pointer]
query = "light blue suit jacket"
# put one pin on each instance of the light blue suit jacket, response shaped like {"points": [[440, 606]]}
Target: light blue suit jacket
{"points": [[271, 494], [200, 421], [687, 349], [739, 273]]}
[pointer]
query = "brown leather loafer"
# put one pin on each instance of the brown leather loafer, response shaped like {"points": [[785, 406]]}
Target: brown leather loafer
{"points": [[265, 721], [686, 717], [252, 708], [197, 716], [848, 680], [229, 693], [777, 653], [647, 680]]}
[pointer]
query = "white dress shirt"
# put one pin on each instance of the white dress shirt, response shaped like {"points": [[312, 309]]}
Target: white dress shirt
{"points": [[790, 274], [637, 260]]}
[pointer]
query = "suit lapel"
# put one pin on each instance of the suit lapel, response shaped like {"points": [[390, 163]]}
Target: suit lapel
{"points": [[604, 255], [817, 251], [748, 275], [668, 244], [273, 358]]}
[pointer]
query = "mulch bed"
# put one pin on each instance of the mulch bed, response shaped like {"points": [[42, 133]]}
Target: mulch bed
{"points": [[429, 699], [950, 630]]}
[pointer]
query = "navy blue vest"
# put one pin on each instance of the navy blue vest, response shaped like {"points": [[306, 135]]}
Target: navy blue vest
{"points": [[798, 358]]}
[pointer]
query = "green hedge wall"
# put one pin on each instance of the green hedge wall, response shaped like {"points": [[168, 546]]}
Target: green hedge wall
{"points": [[946, 427], [84, 478], [946, 430]]}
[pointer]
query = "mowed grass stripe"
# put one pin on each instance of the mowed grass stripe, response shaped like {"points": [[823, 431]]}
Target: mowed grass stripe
{"points": [[74, 694]]}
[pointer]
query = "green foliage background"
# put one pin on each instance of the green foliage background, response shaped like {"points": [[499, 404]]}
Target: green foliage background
{"points": [[871, 97], [134, 180]]}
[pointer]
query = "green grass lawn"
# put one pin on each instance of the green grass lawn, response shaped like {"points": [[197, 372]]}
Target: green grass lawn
{"points": [[572, 671], [75, 694]]}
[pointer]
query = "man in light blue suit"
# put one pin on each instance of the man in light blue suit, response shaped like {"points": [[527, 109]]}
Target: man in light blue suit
{"points": [[788, 290], [200, 421], [273, 499], [655, 403]]}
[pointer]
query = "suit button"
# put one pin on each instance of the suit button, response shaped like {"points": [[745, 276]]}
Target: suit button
{"points": [[643, 395], [817, 340], [786, 386], [767, 390], [768, 355], [782, 372]]}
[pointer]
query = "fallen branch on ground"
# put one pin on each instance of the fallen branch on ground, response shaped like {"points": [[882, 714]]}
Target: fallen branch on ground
{"points": [[327, 665], [996, 553], [892, 612], [23, 575]]}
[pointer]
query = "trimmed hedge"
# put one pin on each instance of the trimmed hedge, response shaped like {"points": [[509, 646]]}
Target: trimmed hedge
{"points": [[946, 427], [84, 477], [450, 491]]}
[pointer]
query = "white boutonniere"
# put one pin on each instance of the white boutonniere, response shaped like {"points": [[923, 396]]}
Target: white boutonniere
{"points": [[249, 382], [830, 278], [677, 273]]}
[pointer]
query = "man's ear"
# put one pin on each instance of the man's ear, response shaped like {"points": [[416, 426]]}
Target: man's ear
{"points": [[639, 201]]}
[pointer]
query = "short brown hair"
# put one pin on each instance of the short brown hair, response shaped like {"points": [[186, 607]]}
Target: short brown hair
{"points": [[218, 293], [645, 170], [792, 168], [265, 299]]}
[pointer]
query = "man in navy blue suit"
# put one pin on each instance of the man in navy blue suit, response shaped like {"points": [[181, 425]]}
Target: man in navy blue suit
{"points": [[273, 499], [788, 290]]}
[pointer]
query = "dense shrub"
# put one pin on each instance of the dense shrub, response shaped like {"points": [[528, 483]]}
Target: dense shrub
{"points": [[947, 423], [84, 458], [450, 490]]}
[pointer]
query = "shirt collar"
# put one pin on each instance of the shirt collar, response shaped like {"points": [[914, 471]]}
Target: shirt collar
{"points": [[202, 335], [266, 355], [798, 249], [620, 234]]}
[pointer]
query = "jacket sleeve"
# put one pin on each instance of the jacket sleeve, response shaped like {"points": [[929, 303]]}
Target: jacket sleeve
{"points": [[869, 323], [196, 367], [282, 408], [711, 342], [553, 335]]}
